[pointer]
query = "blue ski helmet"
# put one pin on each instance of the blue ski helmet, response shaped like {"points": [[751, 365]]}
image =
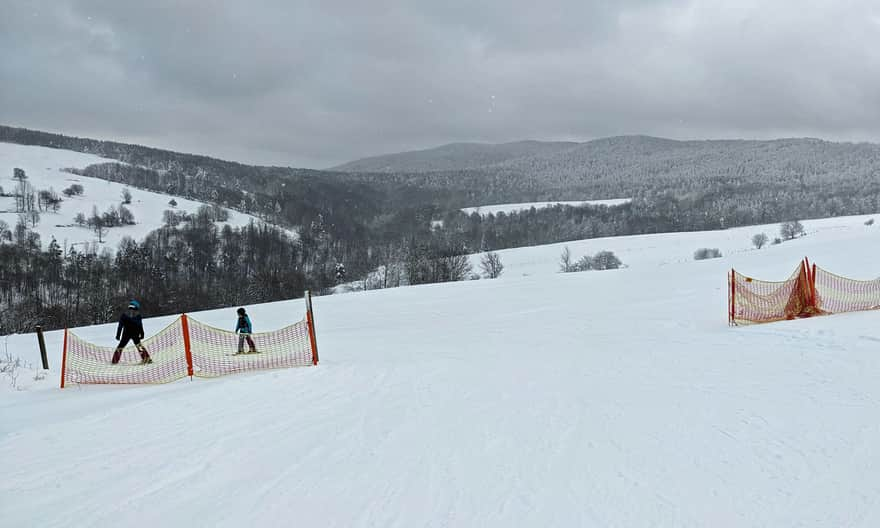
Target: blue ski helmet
{"points": [[134, 304]]}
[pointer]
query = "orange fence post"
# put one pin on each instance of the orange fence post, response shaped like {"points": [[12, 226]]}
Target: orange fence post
{"points": [[64, 359], [310, 320], [811, 293], [813, 286], [184, 323]]}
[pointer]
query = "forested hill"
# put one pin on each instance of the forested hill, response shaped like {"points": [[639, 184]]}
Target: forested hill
{"points": [[456, 156], [282, 195], [681, 185], [555, 160], [634, 166], [370, 221], [470, 174]]}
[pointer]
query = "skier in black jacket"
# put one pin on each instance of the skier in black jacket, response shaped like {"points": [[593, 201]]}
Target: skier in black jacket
{"points": [[131, 328]]}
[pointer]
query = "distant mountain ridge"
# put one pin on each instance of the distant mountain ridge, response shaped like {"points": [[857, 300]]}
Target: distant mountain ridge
{"points": [[455, 156], [553, 157]]}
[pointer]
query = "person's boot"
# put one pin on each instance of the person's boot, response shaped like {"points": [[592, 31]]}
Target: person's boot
{"points": [[116, 355], [145, 357]]}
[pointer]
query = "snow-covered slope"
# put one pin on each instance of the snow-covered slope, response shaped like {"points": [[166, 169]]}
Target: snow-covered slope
{"points": [[613, 398], [486, 210], [43, 168], [644, 252]]}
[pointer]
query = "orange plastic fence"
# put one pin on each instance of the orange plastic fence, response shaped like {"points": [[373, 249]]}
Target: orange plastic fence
{"points": [[215, 351], [89, 363], [188, 347], [756, 301], [809, 291], [836, 294]]}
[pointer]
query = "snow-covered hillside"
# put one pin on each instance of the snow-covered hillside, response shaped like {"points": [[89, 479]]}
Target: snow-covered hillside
{"points": [[612, 398], [43, 168], [485, 210], [644, 252]]}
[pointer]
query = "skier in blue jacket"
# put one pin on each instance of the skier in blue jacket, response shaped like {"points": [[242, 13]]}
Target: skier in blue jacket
{"points": [[244, 330]]}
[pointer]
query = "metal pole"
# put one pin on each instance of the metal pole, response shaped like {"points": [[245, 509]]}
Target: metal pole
{"points": [[42, 343]]}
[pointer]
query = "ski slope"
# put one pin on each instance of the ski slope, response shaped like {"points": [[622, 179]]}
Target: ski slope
{"points": [[612, 398], [486, 210], [43, 168]]}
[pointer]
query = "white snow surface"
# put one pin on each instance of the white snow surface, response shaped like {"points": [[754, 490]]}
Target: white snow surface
{"points": [[486, 210], [43, 168], [605, 398]]}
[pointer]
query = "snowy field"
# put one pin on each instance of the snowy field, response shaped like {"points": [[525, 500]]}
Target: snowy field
{"points": [[605, 398], [486, 210], [646, 251], [43, 168]]}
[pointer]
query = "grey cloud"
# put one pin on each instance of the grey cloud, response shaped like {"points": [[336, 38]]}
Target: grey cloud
{"points": [[311, 83]]}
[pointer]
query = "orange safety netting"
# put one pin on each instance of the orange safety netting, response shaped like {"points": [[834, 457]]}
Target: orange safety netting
{"points": [[757, 301], [188, 347], [836, 294], [85, 362], [215, 351]]}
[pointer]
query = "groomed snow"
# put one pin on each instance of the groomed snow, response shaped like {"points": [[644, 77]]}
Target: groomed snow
{"points": [[612, 398], [486, 210], [43, 168]]}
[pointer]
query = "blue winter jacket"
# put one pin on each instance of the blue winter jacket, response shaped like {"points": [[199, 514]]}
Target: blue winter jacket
{"points": [[244, 325]]}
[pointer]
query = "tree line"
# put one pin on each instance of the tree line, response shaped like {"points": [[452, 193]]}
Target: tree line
{"points": [[400, 228]]}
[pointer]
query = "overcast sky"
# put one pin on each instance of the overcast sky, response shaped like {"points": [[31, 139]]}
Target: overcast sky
{"points": [[317, 83]]}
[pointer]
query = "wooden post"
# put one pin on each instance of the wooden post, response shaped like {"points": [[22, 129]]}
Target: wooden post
{"points": [[731, 316], [184, 322], [64, 359], [310, 321], [42, 343]]}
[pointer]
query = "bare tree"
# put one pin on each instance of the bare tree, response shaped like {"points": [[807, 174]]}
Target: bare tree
{"points": [[605, 260], [74, 190], [126, 217], [491, 265], [100, 230], [170, 218], [707, 253], [584, 263], [24, 196], [565, 264], [21, 230], [126, 195], [790, 230], [760, 240]]}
